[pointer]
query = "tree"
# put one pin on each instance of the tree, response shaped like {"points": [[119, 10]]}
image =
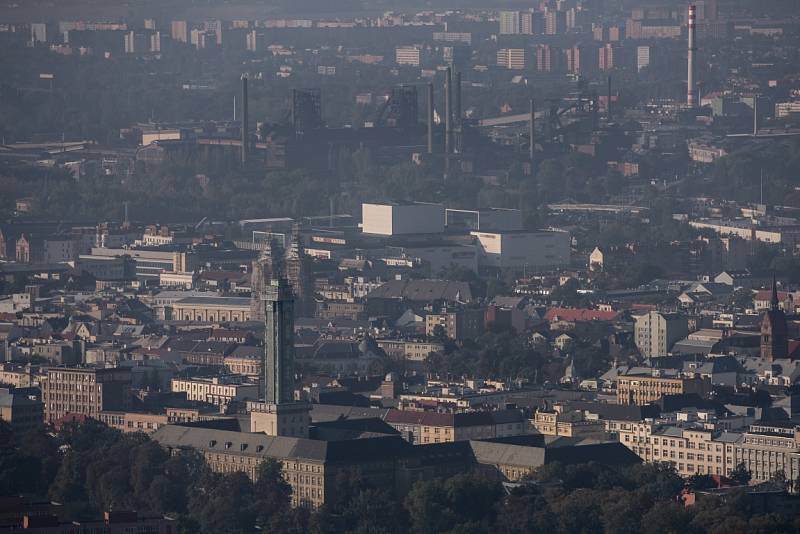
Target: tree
{"points": [[741, 474], [701, 482]]}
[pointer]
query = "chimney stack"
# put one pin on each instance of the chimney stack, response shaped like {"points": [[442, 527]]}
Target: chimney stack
{"points": [[448, 111], [608, 103], [531, 124], [755, 115], [430, 118], [690, 89], [457, 101], [245, 123]]}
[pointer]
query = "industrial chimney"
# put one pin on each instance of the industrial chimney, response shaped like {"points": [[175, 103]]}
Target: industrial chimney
{"points": [[531, 132], [457, 100], [430, 118], [448, 109], [245, 123], [690, 90]]}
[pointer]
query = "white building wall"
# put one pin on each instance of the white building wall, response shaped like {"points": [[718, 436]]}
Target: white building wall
{"points": [[398, 219], [529, 250]]}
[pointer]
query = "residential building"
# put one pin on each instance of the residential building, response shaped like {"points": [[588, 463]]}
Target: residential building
{"points": [[408, 55], [690, 449], [606, 57], [21, 411], [420, 428], [644, 389], [509, 22], [146, 423], [656, 332], [642, 58], [84, 391], [546, 58], [768, 448], [555, 22], [179, 31], [457, 324], [218, 390], [511, 58], [563, 421], [211, 309], [416, 351]]}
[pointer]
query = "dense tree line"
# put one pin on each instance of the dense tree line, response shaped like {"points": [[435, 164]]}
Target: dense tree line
{"points": [[90, 468]]}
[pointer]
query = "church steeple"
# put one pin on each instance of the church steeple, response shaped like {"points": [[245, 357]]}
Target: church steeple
{"points": [[774, 331]]}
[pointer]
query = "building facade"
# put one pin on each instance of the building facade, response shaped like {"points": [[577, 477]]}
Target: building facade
{"points": [[644, 389], [86, 391], [691, 450], [656, 332]]}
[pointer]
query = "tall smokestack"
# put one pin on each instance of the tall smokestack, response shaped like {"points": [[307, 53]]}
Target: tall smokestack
{"points": [[245, 122], [608, 103], [448, 111], [690, 98], [430, 118], [531, 125], [457, 100], [755, 115]]}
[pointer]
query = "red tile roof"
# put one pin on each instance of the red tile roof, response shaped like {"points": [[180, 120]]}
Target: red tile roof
{"points": [[579, 314]]}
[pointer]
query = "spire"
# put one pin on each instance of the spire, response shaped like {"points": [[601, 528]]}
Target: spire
{"points": [[774, 301]]}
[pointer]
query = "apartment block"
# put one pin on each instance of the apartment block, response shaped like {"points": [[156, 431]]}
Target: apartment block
{"points": [[86, 391], [656, 332], [771, 447], [217, 390], [644, 389], [511, 58], [690, 450]]}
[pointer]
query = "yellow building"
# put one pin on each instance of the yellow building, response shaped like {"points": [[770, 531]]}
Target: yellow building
{"points": [[561, 421], [216, 390], [690, 449], [644, 389], [309, 466], [133, 421], [431, 427], [211, 309]]}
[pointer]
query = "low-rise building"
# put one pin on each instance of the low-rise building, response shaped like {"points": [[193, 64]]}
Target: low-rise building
{"points": [[457, 324], [22, 412], [644, 389], [562, 421], [146, 423], [211, 309], [768, 448], [218, 390], [690, 449], [431, 427]]}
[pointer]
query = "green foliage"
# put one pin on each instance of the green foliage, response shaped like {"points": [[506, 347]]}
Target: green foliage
{"points": [[463, 503], [741, 474], [497, 353]]}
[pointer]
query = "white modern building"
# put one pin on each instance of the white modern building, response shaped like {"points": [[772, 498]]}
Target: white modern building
{"points": [[399, 219], [408, 55], [534, 251]]}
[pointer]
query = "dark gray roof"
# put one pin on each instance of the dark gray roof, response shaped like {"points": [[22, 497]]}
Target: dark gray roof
{"points": [[215, 301], [247, 351], [278, 447], [423, 290], [328, 412]]}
